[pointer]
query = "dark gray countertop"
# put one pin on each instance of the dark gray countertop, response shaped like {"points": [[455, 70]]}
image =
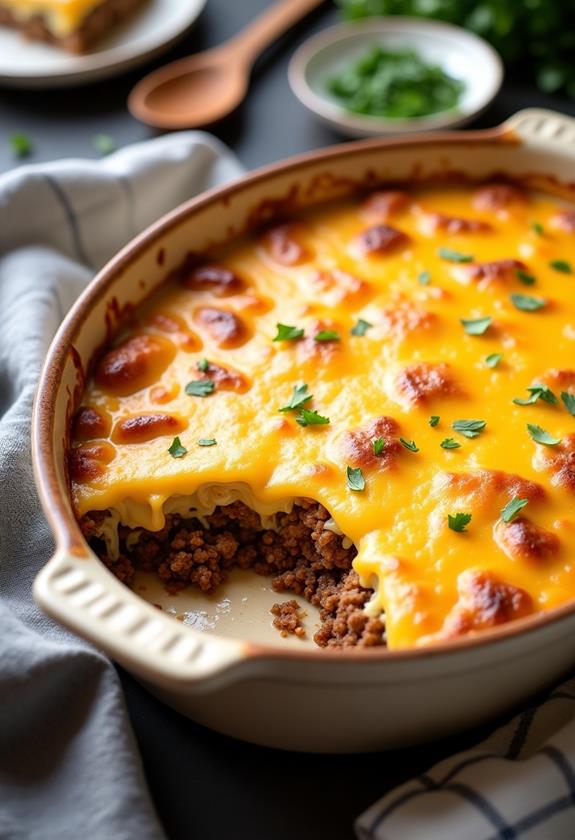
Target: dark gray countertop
{"points": [[206, 786]]}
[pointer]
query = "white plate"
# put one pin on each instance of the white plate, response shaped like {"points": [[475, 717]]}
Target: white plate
{"points": [[461, 54], [149, 30]]}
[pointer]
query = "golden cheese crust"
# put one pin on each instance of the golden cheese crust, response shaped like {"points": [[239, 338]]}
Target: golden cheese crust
{"points": [[406, 360]]}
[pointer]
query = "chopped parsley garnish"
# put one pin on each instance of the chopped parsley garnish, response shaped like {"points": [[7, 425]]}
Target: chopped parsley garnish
{"points": [[538, 228], [493, 359], [562, 266], [526, 279], [409, 444], [287, 333], [458, 521], [476, 326], [568, 401], [527, 303], [21, 145], [538, 392], [512, 509], [449, 443], [434, 420], [355, 479], [207, 442], [203, 365], [539, 435], [176, 450], [327, 335], [454, 256], [104, 144], [298, 398], [361, 327], [378, 445], [200, 388], [424, 278], [306, 417], [469, 428]]}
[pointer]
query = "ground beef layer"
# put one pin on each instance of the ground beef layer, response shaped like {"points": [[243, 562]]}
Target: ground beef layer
{"points": [[300, 554]]}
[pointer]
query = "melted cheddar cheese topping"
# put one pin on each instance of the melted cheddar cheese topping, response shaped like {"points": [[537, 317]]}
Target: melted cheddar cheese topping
{"points": [[63, 17], [386, 283]]}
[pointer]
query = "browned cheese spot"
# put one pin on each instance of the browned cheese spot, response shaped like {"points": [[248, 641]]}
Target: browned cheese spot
{"points": [[418, 383], [283, 245], [559, 461], [357, 445], [379, 240], [226, 379], [224, 327], [525, 540], [339, 286], [134, 364], [140, 428], [91, 423], [484, 274], [563, 221], [560, 380], [214, 278], [88, 462], [383, 204], [403, 318], [498, 197], [309, 348], [489, 488], [453, 224]]}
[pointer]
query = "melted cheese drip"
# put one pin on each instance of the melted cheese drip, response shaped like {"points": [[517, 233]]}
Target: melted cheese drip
{"points": [[399, 522], [62, 16]]}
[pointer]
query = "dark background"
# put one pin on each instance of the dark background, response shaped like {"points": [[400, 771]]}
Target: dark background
{"points": [[206, 786]]}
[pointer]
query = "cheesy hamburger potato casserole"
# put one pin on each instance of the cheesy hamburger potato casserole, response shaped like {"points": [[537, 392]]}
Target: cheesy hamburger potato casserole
{"points": [[372, 402]]}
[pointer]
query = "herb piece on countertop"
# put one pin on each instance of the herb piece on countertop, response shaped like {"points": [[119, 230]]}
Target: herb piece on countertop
{"points": [[396, 84], [476, 326], [513, 508], [327, 335], [562, 266], [538, 392], [287, 333], [203, 365], [307, 417], [525, 278], [424, 278], [539, 435], [409, 445], [176, 450], [298, 398], [200, 388], [568, 401], [355, 479], [361, 327], [20, 145], [434, 420], [459, 521], [378, 445], [469, 428], [449, 443], [104, 144], [454, 256], [527, 303], [207, 442], [493, 359]]}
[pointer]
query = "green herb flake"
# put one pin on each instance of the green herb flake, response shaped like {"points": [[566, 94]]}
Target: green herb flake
{"points": [[200, 388], [476, 326], [327, 335], [493, 359], [458, 521], [539, 435], [207, 442], [287, 333], [176, 450], [562, 266], [355, 479], [526, 279], [298, 398], [568, 401], [378, 445], [424, 278], [104, 144], [454, 256], [469, 428], [527, 303], [513, 508], [409, 445], [538, 392], [434, 420], [203, 365], [361, 327], [20, 145], [306, 417], [538, 228], [449, 443]]}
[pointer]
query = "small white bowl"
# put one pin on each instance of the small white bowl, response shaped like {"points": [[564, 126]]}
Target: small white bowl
{"points": [[462, 55]]}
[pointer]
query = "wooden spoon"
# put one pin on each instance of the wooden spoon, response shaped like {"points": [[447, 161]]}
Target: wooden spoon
{"points": [[205, 87]]}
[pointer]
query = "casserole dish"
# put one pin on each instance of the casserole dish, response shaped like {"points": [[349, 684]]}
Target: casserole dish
{"points": [[271, 693]]}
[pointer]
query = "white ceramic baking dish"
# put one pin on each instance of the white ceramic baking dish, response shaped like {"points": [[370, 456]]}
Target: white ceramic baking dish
{"points": [[289, 695]]}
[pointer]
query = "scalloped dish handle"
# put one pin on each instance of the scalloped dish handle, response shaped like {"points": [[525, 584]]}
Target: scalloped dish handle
{"points": [[91, 602], [540, 127]]}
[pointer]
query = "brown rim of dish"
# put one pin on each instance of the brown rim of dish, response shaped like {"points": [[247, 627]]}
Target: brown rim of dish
{"points": [[62, 522]]}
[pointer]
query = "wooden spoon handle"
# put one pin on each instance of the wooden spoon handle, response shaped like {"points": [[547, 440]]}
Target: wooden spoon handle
{"points": [[256, 36]]}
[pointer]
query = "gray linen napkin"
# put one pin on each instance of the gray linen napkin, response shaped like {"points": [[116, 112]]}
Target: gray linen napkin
{"points": [[69, 766]]}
